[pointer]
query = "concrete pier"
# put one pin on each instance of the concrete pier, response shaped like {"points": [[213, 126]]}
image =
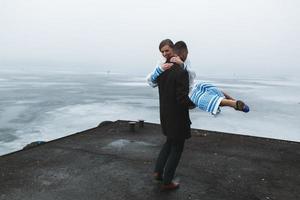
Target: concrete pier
{"points": [[112, 162]]}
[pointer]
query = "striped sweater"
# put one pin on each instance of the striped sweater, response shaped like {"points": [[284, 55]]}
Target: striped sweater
{"points": [[205, 96], [152, 77]]}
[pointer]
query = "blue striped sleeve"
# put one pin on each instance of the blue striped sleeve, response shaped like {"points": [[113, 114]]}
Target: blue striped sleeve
{"points": [[156, 74], [152, 77]]}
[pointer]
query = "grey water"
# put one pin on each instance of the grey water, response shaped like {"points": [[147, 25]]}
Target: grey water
{"points": [[45, 106]]}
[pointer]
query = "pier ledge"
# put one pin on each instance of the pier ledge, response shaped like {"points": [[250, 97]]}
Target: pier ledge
{"points": [[112, 161]]}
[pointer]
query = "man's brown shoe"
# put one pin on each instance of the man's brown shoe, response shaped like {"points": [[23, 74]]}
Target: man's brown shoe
{"points": [[157, 176], [171, 186]]}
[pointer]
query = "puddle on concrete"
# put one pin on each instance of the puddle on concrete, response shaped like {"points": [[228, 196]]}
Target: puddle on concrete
{"points": [[123, 143]]}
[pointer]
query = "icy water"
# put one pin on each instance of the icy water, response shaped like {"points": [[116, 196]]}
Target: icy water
{"points": [[35, 106]]}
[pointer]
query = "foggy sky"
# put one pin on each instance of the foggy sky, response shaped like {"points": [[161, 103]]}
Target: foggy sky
{"points": [[232, 36]]}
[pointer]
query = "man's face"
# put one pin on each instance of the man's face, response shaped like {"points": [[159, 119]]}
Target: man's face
{"points": [[167, 52], [183, 55]]}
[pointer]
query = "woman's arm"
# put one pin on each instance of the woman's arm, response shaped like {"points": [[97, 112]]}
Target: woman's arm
{"points": [[152, 77]]}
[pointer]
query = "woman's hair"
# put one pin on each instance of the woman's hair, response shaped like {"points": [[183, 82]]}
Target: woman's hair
{"points": [[166, 42]]}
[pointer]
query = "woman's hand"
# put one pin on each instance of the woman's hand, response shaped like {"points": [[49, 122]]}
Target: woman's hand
{"points": [[166, 66], [177, 60]]}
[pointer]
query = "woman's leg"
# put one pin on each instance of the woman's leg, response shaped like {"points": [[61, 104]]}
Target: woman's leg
{"points": [[228, 102], [237, 105]]}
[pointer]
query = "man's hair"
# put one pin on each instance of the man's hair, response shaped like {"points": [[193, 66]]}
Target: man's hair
{"points": [[166, 42], [180, 46]]}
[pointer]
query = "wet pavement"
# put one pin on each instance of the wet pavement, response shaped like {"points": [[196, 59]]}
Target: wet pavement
{"points": [[112, 162]]}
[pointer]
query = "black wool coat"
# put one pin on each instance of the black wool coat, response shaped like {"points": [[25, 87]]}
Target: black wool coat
{"points": [[173, 87]]}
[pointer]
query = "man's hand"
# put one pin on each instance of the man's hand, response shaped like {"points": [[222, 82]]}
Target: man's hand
{"points": [[177, 60], [166, 66]]}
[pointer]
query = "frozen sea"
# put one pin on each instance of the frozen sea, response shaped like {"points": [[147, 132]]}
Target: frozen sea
{"points": [[39, 106]]}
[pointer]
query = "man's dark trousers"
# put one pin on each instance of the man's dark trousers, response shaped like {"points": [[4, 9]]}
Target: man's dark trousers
{"points": [[169, 158], [174, 104]]}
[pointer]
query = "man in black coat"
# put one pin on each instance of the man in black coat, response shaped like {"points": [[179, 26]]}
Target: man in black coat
{"points": [[173, 85]]}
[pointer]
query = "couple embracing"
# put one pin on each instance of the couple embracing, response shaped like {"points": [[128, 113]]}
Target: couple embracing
{"points": [[173, 85], [178, 94]]}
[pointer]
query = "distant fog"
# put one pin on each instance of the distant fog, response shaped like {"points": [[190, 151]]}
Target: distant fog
{"points": [[229, 37]]}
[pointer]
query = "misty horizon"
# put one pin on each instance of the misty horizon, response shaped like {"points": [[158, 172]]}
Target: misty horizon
{"points": [[231, 38]]}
